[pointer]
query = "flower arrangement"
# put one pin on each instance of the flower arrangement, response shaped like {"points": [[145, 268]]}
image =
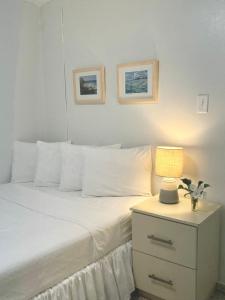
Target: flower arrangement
{"points": [[195, 191]]}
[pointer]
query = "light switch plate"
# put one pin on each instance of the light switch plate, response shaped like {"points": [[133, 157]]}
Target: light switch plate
{"points": [[202, 104]]}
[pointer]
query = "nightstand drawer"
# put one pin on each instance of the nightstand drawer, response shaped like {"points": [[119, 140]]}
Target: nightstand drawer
{"points": [[163, 279], [171, 241]]}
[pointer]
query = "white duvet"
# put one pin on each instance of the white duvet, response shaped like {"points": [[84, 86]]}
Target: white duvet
{"points": [[46, 235]]}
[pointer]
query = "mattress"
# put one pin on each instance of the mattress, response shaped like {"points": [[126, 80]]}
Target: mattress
{"points": [[47, 235]]}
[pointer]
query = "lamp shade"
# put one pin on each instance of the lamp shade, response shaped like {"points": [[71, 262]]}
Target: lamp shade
{"points": [[169, 161]]}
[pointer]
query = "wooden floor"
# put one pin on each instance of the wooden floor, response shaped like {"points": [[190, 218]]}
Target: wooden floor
{"points": [[217, 296]]}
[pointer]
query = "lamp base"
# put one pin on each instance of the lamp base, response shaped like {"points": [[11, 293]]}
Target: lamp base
{"points": [[168, 197]]}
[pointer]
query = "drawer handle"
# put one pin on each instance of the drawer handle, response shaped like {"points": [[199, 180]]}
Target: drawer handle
{"points": [[157, 239], [169, 282]]}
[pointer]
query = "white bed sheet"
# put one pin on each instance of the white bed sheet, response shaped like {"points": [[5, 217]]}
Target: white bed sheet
{"points": [[47, 235]]}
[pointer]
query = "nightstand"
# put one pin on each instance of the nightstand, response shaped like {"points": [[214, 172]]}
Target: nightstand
{"points": [[175, 250]]}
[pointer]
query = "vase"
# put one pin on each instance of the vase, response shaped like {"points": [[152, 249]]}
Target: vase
{"points": [[194, 203]]}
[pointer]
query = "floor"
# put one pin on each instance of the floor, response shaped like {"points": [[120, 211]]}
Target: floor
{"points": [[217, 296]]}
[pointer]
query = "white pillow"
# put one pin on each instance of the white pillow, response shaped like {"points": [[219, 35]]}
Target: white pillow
{"points": [[72, 166], [48, 164], [24, 161], [114, 172]]}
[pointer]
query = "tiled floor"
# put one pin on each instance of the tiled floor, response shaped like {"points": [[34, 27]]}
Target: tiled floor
{"points": [[217, 296]]}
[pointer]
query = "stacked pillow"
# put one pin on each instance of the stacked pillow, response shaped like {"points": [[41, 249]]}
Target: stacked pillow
{"points": [[73, 164], [97, 171], [117, 172], [24, 162], [39, 162], [49, 163]]}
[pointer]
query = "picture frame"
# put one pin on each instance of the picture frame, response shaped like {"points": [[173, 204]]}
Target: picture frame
{"points": [[137, 82], [89, 85]]}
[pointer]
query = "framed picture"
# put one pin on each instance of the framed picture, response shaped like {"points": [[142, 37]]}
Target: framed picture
{"points": [[138, 82], [89, 85]]}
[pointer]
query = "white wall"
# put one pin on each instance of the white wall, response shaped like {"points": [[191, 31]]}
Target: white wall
{"points": [[188, 39], [10, 13], [55, 123], [21, 84], [29, 85], [21, 88]]}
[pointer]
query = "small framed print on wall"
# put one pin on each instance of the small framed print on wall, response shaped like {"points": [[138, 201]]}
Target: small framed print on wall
{"points": [[138, 82], [89, 85]]}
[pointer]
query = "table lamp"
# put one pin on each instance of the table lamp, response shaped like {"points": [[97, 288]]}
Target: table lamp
{"points": [[169, 164]]}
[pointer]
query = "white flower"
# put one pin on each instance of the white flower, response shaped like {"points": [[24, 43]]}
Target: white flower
{"points": [[195, 191], [192, 187]]}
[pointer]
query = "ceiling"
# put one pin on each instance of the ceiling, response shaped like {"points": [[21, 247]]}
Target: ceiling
{"points": [[38, 2]]}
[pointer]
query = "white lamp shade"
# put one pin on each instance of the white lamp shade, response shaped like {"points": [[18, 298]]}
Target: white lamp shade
{"points": [[169, 162]]}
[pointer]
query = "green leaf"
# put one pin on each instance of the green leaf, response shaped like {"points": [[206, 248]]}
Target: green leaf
{"points": [[186, 181], [200, 182]]}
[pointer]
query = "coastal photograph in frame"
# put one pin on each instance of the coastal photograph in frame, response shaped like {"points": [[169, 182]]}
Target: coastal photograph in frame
{"points": [[138, 82], [89, 85]]}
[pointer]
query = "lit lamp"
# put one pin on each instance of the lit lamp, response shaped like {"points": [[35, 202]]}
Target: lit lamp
{"points": [[169, 164]]}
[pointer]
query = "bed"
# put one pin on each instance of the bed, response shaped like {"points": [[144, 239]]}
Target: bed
{"points": [[59, 245]]}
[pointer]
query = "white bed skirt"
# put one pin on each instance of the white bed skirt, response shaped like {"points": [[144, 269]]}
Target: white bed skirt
{"points": [[110, 278]]}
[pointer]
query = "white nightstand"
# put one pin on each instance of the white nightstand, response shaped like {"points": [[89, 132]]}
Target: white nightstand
{"points": [[175, 250]]}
